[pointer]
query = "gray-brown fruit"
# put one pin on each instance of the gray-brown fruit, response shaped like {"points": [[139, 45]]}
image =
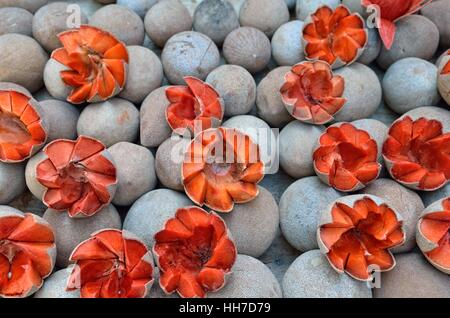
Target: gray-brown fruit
{"points": [[264, 15], [62, 118], [12, 181], [15, 20]]}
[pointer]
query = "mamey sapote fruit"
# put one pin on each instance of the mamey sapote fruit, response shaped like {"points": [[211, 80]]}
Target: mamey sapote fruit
{"points": [[417, 152], [27, 252], [356, 233], [433, 234], [95, 65], [23, 129], [346, 157], [196, 106], [79, 176], [390, 11], [111, 264], [444, 77], [312, 93], [337, 37], [194, 253], [221, 167]]}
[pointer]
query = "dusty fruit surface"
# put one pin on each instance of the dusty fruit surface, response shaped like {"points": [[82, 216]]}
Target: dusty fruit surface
{"points": [[194, 253]]}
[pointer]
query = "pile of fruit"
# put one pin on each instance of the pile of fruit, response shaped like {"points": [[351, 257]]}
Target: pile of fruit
{"points": [[240, 148]]}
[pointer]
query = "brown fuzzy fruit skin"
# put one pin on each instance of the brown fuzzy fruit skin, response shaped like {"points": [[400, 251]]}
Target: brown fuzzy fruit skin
{"points": [[439, 13], [110, 122], [55, 286], [253, 225], [15, 20], [311, 276], [49, 21], [17, 50], [30, 5], [247, 47], [135, 172], [403, 200], [216, 19], [12, 181], [189, 54], [413, 277], [144, 74], [150, 212], [62, 118], [154, 128], [70, 232], [264, 15], [165, 19], [362, 91], [416, 36], [122, 22], [169, 159], [236, 87], [249, 278], [297, 142], [269, 104]]}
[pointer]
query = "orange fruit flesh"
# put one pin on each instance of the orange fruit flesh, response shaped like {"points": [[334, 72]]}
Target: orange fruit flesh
{"points": [[76, 175], [20, 127], [192, 105], [194, 253], [334, 34], [222, 166], [24, 256], [420, 152], [109, 265], [360, 237], [348, 156]]}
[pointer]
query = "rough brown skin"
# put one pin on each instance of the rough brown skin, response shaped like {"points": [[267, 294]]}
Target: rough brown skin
{"points": [[49, 21], [165, 19], [265, 15], [439, 13], [124, 23], [17, 50], [247, 47], [15, 20], [153, 124]]}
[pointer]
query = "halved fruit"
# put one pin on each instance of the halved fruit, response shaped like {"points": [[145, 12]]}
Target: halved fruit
{"points": [[417, 153], [194, 253], [27, 252], [22, 128], [312, 93], [96, 61], [346, 158], [444, 77], [111, 264], [433, 234], [389, 12], [195, 107], [222, 166], [337, 37], [79, 176], [356, 233]]}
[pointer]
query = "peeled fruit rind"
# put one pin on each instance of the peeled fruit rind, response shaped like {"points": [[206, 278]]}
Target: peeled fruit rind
{"points": [[196, 106], [95, 64], [80, 176], [433, 234], [111, 264], [337, 37], [27, 252], [391, 11], [194, 253], [356, 233], [416, 152], [23, 129], [444, 77], [346, 158], [312, 93], [222, 166]]}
